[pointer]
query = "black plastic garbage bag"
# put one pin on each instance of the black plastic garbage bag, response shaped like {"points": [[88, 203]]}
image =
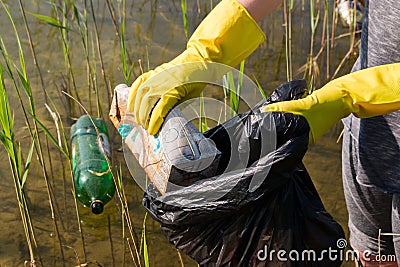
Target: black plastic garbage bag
{"points": [[279, 222]]}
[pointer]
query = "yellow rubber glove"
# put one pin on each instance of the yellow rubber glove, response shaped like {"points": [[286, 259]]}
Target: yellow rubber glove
{"points": [[227, 35], [365, 93]]}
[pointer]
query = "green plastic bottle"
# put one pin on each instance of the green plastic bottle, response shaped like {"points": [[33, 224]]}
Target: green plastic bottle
{"points": [[94, 185]]}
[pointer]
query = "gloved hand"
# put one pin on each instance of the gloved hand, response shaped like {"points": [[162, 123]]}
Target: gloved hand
{"points": [[365, 93], [227, 35]]}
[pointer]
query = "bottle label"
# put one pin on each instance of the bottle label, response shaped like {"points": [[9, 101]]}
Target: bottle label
{"points": [[102, 141]]}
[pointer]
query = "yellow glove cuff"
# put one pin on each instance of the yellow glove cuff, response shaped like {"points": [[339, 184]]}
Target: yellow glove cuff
{"points": [[227, 35]]}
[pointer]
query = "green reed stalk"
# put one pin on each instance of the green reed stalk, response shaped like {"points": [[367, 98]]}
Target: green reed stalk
{"points": [[128, 71], [111, 242], [62, 25], [95, 85], [260, 89], [126, 58], [314, 19], [225, 87], [63, 148], [327, 39], [334, 20], [57, 122], [185, 20], [62, 145], [239, 85], [23, 77], [81, 19], [73, 190], [232, 90], [15, 158], [203, 125], [288, 7], [35, 61], [112, 13], [120, 186], [143, 244], [61, 22], [103, 72]]}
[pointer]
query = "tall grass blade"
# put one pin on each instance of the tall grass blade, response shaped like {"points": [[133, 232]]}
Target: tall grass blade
{"points": [[27, 164], [62, 19], [99, 51], [288, 7], [32, 47], [14, 155], [145, 248], [203, 125], [50, 20], [126, 70], [22, 74], [240, 81], [185, 19], [233, 94], [95, 84], [260, 89], [81, 19], [49, 134]]}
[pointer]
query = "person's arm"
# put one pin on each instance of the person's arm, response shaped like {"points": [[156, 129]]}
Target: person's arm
{"points": [[227, 35], [259, 9]]}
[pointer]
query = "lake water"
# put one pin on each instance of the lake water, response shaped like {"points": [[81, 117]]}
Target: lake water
{"points": [[154, 33]]}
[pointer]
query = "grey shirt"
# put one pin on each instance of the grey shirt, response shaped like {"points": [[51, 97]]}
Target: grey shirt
{"points": [[378, 137]]}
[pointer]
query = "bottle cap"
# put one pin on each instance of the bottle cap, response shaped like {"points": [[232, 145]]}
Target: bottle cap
{"points": [[97, 206]]}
